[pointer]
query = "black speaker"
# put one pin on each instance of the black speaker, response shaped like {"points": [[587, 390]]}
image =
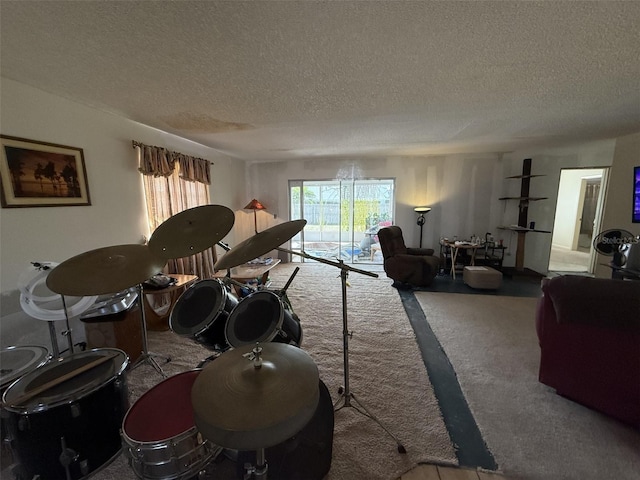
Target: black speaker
{"points": [[305, 456]]}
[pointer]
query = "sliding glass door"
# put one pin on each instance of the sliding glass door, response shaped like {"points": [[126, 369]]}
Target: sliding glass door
{"points": [[343, 217]]}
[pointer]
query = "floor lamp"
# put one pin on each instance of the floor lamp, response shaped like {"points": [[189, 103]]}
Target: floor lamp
{"points": [[255, 205], [421, 211]]}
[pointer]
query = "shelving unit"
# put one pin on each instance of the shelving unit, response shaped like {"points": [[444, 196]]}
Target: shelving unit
{"points": [[522, 227]]}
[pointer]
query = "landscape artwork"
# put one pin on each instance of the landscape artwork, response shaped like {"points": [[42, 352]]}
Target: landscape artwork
{"points": [[39, 174]]}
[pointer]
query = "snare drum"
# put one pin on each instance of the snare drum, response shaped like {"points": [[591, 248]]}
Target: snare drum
{"points": [[159, 435], [201, 313], [71, 429], [262, 317]]}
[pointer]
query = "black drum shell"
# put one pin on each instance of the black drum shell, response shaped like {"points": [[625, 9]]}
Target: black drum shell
{"points": [[305, 456], [88, 421], [262, 317], [201, 313]]}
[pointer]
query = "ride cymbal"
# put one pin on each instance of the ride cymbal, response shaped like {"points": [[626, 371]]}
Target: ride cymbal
{"points": [[238, 405], [191, 231], [105, 270], [259, 244]]}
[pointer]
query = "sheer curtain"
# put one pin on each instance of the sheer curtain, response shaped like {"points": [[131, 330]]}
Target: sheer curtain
{"points": [[174, 182]]}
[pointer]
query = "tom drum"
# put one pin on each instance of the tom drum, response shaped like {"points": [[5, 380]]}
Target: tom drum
{"points": [[262, 317], [201, 313]]}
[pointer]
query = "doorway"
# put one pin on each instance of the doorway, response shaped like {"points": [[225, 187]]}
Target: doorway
{"points": [[577, 219]]}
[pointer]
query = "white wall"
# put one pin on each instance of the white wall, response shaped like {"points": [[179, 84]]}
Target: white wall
{"points": [[116, 214], [459, 188], [619, 154], [618, 202]]}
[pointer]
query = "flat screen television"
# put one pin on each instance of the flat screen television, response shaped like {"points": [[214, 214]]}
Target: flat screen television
{"points": [[636, 195]]}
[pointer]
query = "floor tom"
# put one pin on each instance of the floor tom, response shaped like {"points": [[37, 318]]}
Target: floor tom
{"points": [[71, 429]]}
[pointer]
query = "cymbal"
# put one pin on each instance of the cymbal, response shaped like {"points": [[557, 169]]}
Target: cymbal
{"points": [[259, 244], [105, 270], [239, 406], [191, 231]]}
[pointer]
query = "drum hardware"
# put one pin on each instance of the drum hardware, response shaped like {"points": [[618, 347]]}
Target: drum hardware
{"points": [[254, 397], [346, 396], [146, 356], [105, 271], [67, 457], [191, 231]]}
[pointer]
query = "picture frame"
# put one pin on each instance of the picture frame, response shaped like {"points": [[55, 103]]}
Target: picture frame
{"points": [[41, 174]]}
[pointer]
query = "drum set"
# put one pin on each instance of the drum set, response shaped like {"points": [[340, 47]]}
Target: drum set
{"points": [[64, 418]]}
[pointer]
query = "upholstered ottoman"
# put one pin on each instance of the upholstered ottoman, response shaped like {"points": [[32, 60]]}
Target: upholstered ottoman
{"points": [[482, 277]]}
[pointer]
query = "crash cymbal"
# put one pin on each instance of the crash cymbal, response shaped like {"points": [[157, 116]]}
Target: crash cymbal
{"points": [[241, 406], [260, 244], [105, 270], [191, 231]]}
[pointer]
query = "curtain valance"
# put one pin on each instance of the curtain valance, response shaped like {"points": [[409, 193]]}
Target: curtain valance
{"points": [[160, 162]]}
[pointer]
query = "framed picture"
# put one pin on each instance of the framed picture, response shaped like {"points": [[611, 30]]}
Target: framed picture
{"points": [[39, 174]]}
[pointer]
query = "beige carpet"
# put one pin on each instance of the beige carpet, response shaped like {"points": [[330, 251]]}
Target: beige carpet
{"points": [[386, 374], [533, 433]]}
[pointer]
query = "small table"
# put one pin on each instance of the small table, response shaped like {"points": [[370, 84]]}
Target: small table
{"points": [[249, 271], [456, 247], [160, 322]]}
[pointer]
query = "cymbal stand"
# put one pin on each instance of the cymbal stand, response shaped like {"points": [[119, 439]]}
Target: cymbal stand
{"points": [[67, 332], [259, 471], [346, 396], [147, 356]]}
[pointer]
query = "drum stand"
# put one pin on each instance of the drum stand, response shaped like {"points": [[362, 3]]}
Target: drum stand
{"points": [[346, 396], [259, 471], [147, 356]]}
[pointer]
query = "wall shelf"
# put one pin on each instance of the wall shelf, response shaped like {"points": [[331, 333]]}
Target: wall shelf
{"points": [[521, 228]]}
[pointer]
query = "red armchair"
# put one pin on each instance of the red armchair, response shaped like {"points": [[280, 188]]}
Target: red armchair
{"points": [[589, 335], [409, 266]]}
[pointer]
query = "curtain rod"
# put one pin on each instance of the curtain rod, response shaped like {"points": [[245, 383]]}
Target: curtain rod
{"points": [[140, 144]]}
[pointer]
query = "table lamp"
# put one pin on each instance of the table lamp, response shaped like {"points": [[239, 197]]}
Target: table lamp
{"points": [[421, 211], [255, 205]]}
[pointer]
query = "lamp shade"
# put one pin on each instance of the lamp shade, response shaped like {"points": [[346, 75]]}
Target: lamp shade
{"points": [[255, 205], [422, 209]]}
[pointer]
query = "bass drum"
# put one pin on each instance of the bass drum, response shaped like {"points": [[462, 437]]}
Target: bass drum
{"points": [[262, 317], [201, 313], [71, 429], [159, 435], [305, 456]]}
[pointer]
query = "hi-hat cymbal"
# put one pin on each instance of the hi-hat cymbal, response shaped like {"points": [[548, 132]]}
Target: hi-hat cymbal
{"points": [[239, 406], [191, 231], [105, 270], [260, 244]]}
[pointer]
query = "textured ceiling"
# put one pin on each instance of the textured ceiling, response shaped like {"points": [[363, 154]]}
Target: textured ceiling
{"points": [[295, 79]]}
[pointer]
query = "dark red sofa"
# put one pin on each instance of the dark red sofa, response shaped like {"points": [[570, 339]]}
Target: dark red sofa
{"points": [[589, 335]]}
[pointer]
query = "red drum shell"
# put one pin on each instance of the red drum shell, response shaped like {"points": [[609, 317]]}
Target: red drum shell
{"points": [[159, 433]]}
